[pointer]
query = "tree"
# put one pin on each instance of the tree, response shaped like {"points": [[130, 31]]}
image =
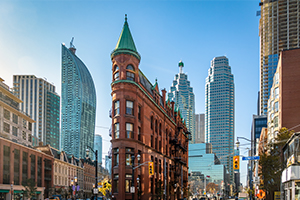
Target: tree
{"points": [[211, 187], [30, 188], [271, 165]]}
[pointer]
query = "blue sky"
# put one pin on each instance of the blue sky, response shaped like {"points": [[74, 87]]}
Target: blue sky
{"points": [[31, 33]]}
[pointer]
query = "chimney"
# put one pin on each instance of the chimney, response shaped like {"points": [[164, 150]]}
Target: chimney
{"points": [[172, 106], [164, 97]]}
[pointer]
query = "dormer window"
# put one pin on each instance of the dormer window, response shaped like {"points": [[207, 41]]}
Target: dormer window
{"points": [[130, 72], [116, 73]]}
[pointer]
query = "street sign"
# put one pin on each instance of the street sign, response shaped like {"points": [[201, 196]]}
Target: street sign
{"points": [[251, 158], [95, 190], [132, 189]]}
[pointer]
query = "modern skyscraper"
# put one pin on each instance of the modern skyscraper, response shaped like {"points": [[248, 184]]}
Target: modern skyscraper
{"points": [[258, 122], [219, 111], [182, 94], [278, 29], [98, 146], [78, 104], [42, 103], [199, 128]]}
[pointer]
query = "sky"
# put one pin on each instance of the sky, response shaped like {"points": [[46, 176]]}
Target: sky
{"points": [[164, 32]]}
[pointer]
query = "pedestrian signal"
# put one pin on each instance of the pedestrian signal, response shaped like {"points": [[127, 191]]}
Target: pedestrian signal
{"points": [[236, 162], [151, 169]]}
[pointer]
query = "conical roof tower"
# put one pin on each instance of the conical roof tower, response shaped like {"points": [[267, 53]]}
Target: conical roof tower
{"points": [[125, 43]]}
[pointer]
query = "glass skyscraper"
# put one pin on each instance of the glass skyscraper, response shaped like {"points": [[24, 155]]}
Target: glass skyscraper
{"points": [[42, 103], [78, 104], [98, 146], [219, 111], [182, 94], [278, 30]]}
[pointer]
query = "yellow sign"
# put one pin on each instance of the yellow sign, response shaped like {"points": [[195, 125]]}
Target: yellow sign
{"points": [[151, 168], [277, 195]]}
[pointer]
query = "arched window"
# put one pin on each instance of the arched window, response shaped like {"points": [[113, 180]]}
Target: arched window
{"points": [[156, 126], [159, 130], [116, 73], [151, 123], [130, 72]]}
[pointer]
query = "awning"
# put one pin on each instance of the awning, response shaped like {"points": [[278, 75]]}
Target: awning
{"points": [[18, 191], [38, 192], [4, 191]]}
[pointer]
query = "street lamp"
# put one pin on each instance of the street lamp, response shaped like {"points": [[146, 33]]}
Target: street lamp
{"points": [[251, 163], [11, 190], [76, 185], [96, 162], [132, 183]]}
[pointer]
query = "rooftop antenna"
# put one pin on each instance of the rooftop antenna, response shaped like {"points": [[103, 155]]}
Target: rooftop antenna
{"points": [[71, 43]]}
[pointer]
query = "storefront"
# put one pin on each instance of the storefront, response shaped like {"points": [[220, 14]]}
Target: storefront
{"points": [[291, 182]]}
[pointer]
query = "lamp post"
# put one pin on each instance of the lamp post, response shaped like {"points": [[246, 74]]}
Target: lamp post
{"points": [[72, 183], [132, 183], [11, 190], [96, 162], [251, 163], [76, 186]]}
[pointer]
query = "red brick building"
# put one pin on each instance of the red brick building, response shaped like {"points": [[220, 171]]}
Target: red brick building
{"points": [[145, 127]]}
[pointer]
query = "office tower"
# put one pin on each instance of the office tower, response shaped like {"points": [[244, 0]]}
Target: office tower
{"points": [[258, 122], [15, 124], [199, 128], [108, 164], [78, 104], [182, 94], [145, 127], [278, 29], [42, 103], [202, 159], [283, 104], [98, 146], [219, 111]]}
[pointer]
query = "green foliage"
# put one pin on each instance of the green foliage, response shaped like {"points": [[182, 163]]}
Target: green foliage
{"points": [[30, 188], [271, 162]]}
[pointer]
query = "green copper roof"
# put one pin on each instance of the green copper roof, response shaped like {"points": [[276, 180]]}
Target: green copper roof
{"points": [[180, 64], [125, 43]]}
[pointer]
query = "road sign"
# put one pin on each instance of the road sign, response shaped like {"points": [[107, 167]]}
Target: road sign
{"points": [[251, 158], [95, 190], [132, 189]]}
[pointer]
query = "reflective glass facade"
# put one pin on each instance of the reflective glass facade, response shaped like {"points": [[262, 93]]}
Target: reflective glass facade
{"points": [[42, 103], [219, 111], [98, 146], [201, 159], [78, 105], [182, 94], [258, 122]]}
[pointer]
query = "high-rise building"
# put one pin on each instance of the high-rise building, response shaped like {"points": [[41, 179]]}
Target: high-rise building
{"points": [[258, 122], [182, 94], [145, 129], [283, 104], [199, 128], [78, 104], [42, 103], [108, 164], [98, 147], [219, 111], [278, 29]]}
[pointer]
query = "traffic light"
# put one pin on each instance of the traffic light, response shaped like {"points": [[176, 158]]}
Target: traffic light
{"points": [[236, 162], [151, 169]]}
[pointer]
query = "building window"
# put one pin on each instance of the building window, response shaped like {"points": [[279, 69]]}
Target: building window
{"points": [[116, 130], [6, 114], [32, 166], [24, 123], [129, 107], [139, 133], [30, 126], [128, 179], [16, 166], [25, 166], [116, 183], [156, 126], [129, 152], [129, 130], [24, 135], [276, 121], [276, 106], [151, 123], [15, 118], [151, 140], [6, 127], [6, 166], [29, 138], [116, 73], [116, 108], [130, 73], [159, 129], [15, 131], [116, 156], [139, 112]]}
